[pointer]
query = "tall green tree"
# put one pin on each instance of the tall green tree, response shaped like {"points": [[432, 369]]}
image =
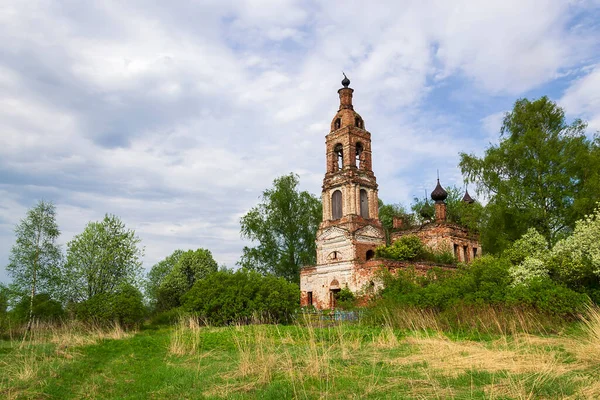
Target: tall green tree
{"points": [[284, 227], [191, 266], [35, 258], [158, 273], [105, 256], [544, 173]]}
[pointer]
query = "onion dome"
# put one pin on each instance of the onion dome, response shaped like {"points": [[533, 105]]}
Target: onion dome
{"points": [[439, 194], [467, 198], [345, 81]]}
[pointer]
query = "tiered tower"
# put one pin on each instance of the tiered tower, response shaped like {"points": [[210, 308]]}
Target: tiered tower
{"points": [[350, 230]]}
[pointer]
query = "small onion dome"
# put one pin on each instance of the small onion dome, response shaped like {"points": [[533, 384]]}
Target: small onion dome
{"points": [[345, 81], [426, 211], [467, 198], [439, 194]]}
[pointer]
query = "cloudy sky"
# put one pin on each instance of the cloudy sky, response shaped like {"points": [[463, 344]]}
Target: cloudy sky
{"points": [[176, 115]]}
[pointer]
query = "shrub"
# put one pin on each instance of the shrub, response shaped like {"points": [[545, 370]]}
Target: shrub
{"points": [[408, 247], [44, 308], [575, 260], [125, 307], [531, 245], [345, 299], [227, 297], [531, 268], [486, 281], [547, 296], [169, 317]]}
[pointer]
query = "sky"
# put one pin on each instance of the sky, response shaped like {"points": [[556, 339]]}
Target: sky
{"points": [[175, 116]]}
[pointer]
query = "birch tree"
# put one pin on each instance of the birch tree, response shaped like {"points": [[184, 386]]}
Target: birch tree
{"points": [[34, 261]]}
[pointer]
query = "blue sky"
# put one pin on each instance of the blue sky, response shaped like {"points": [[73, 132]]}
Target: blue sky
{"points": [[176, 115]]}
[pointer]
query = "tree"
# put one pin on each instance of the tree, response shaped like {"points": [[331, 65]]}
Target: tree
{"points": [[102, 258], [44, 308], [387, 212], [192, 266], [544, 173], [458, 212], [3, 299], [35, 258], [158, 273], [284, 225]]}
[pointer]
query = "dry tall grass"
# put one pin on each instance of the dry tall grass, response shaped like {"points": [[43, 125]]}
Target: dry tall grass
{"points": [[49, 346], [484, 319]]}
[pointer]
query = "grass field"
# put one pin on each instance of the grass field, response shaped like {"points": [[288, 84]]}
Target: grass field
{"points": [[300, 361]]}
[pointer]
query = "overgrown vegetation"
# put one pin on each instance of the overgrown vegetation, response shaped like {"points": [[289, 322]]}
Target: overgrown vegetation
{"points": [[227, 297], [411, 248], [485, 282], [304, 360]]}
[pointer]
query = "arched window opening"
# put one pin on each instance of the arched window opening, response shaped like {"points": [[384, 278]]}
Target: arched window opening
{"points": [[358, 122], [337, 123], [336, 205], [370, 254], [364, 203], [339, 151], [359, 150]]}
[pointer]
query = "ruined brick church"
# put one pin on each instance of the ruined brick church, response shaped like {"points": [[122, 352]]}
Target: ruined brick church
{"points": [[351, 230]]}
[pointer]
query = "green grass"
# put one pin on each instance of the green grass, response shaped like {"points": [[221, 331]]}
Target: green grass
{"points": [[298, 361]]}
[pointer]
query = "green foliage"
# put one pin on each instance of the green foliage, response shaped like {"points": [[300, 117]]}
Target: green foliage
{"points": [[543, 173], [104, 257], [575, 260], [545, 295], [124, 306], [35, 258], [44, 308], [157, 275], [408, 247], [486, 281], [190, 267], [387, 212], [345, 299], [227, 297], [457, 211], [531, 244], [3, 299], [440, 256], [284, 226], [169, 317]]}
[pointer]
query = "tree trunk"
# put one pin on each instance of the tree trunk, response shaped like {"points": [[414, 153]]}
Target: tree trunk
{"points": [[33, 283]]}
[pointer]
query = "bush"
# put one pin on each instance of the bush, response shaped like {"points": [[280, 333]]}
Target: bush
{"points": [[345, 299], [170, 317], [486, 281], [125, 307], [406, 248], [191, 266], [547, 296], [44, 308], [227, 297]]}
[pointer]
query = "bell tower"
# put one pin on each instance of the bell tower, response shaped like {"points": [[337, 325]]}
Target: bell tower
{"points": [[349, 189], [350, 230]]}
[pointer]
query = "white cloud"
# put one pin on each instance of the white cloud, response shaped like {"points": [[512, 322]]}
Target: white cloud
{"points": [[175, 116], [582, 98]]}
